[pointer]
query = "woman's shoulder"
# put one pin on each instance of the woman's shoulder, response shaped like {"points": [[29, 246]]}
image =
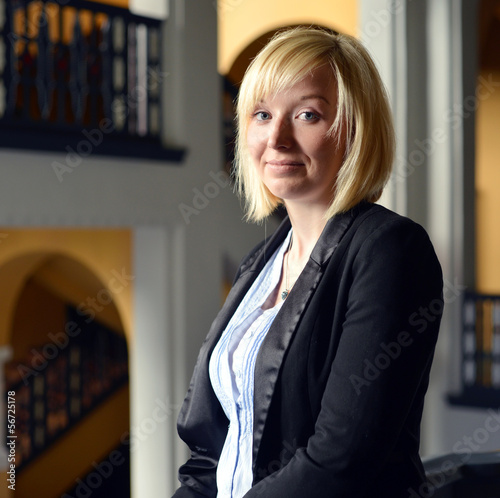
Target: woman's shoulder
{"points": [[373, 220], [379, 232]]}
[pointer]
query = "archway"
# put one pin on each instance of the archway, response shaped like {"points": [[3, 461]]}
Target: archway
{"points": [[62, 326]]}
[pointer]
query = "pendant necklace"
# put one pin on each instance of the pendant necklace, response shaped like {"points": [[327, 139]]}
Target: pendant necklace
{"points": [[285, 293]]}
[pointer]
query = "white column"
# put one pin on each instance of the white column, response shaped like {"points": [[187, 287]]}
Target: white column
{"points": [[152, 411], [442, 163], [382, 29]]}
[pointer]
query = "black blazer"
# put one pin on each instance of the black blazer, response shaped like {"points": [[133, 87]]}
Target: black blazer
{"points": [[341, 375]]}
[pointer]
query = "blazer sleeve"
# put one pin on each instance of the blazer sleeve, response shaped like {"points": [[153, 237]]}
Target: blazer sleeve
{"points": [[380, 372], [202, 426]]}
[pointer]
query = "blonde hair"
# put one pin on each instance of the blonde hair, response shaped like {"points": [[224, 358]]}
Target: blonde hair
{"points": [[363, 113]]}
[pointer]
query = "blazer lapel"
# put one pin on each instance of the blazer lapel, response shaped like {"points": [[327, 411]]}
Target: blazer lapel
{"points": [[273, 349], [248, 271]]}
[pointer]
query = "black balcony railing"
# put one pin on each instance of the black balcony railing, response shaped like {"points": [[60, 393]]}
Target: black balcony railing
{"points": [[81, 77], [480, 352], [61, 382]]}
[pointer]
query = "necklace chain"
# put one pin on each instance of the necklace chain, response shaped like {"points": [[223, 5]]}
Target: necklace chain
{"points": [[285, 293]]}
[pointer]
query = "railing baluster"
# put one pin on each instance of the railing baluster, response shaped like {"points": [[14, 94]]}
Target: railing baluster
{"points": [[141, 96], [10, 76], [60, 66], [106, 50], [153, 81], [44, 66], [131, 107], [78, 70], [3, 57], [25, 62], [93, 73], [119, 87]]}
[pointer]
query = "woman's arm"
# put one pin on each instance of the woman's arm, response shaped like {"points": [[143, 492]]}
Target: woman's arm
{"points": [[202, 425], [198, 478]]}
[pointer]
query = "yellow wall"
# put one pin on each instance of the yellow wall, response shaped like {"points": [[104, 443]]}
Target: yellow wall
{"points": [[488, 186], [243, 21]]}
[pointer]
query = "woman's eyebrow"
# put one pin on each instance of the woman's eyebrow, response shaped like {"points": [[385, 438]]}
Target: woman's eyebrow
{"points": [[315, 97], [303, 98]]}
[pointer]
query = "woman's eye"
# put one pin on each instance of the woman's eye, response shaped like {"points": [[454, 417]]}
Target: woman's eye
{"points": [[262, 115], [308, 116]]}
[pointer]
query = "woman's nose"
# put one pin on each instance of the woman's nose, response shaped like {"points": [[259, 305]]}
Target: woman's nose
{"points": [[280, 134]]}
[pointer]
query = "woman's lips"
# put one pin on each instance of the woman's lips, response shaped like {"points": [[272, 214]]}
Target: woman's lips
{"points": [[284, 166], [285, 162]]}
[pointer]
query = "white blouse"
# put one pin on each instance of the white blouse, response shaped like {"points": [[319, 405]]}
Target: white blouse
{"points": [[231, 370]]}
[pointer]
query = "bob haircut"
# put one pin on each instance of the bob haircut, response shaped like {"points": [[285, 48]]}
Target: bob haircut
{"points": [[363, 115]]}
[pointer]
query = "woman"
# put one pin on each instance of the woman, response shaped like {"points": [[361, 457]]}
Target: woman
{"points": [[312, 378]]}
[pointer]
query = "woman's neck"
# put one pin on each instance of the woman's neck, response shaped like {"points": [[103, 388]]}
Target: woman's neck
{"points": [[307, 225]]}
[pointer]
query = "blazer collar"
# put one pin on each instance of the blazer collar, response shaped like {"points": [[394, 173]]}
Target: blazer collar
{"points": [[324, 248]]}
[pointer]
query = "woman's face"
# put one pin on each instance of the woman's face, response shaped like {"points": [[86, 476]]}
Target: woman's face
{"points": [[289, 144]]}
